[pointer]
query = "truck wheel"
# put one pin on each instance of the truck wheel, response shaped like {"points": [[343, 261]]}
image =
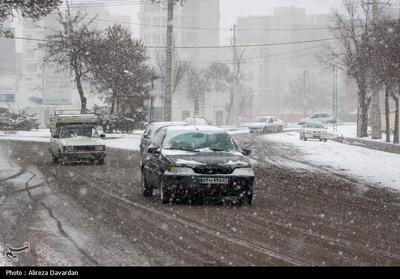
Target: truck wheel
{"points": [[245, 198], [144, 187], [54, 158]]}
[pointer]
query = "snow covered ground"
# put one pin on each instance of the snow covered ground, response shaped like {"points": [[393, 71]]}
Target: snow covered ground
{"points": [[375, 167], [122, 141]]}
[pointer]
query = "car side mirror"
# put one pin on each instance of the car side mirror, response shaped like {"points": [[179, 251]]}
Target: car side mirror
{"points": [[153, 150], [246, 152], [102, 136], [56, 137], [146, 136]]}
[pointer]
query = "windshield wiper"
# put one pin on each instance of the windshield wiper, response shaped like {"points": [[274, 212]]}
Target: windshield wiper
{"points": [[216, 149], [184, 149]]}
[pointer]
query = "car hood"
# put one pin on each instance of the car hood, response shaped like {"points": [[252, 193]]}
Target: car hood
{"points": [[82, 141], [256, 125], [207, 159]]}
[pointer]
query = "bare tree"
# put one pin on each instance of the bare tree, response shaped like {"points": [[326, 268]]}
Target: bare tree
{"points": [[180, 69], [68, 48], [197, 82], [235, 92], [352, 53], [34, 9], [384, 44]]}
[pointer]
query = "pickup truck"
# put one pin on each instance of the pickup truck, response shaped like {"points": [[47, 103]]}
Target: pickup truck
{"points": [[75, 138]]}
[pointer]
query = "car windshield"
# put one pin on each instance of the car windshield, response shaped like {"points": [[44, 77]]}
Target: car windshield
{"points": [[78, 131], [261, 119], [199, 141], [314, 125]]}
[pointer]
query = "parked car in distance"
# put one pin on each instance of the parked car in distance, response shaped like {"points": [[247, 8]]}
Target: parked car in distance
{"points": [[314, 130], [191, 161], [318, 117], [267, 124], [152, 128], [197, 120]]}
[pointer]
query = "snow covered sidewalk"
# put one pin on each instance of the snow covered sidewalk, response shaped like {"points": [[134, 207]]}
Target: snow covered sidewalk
{"points": [[375, 167]]}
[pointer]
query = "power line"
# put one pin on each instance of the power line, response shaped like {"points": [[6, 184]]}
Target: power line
{"points": [[211, 46]]}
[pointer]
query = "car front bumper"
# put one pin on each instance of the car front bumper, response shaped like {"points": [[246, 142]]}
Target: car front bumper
{"points": [[316, 136], [83, 156], [189, 184]]}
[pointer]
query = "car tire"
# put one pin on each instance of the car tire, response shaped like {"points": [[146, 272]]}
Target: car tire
{"points": [[100, 161], [144, 187], [165, 194], [54, 158], [245, 198], [280, 129], [325, 140], [265, 130], [305, 138]]}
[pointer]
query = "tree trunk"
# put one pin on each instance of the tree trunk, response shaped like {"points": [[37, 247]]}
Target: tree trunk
{"points": [[362, 121], [375, 114], [81, 93], [387, 113], [396, 121], [196, 103]]}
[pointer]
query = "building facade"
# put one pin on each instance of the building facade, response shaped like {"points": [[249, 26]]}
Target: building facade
{"points": [[196, 23]]}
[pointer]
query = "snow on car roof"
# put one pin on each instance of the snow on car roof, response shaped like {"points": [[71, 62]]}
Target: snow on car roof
{"points": [[194, 128]]}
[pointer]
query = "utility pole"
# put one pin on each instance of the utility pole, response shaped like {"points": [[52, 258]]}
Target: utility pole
{"points": [[235, 81], [304, 94], [375, 106], [334, 98], [168, 56]]}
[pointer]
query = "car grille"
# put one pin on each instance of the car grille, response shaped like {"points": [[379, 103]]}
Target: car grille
{"points": [[85, 148], [213, 170]]}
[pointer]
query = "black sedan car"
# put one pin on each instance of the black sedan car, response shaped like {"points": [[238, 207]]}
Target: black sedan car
{"points": [[196, 161], [151, 129]]}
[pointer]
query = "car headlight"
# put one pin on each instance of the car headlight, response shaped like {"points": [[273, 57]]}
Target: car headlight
{"points": [[99, 147], [243, 171], [179, 170], [69, 148]]}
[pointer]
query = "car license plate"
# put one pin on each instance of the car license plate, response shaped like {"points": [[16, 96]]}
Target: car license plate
{"points": [[214, 180]]}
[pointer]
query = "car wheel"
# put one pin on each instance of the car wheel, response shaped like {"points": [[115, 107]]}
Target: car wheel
{"points": [[280, 129], [144, 187], [165, 194], [325, 140], [100, 161], [304, 138], [265, 130]]}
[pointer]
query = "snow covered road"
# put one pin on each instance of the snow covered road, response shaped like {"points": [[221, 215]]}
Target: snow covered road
{"points": [[94, 215]]}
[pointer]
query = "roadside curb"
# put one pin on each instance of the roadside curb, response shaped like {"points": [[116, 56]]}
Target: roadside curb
{"points": [[381, 146]]}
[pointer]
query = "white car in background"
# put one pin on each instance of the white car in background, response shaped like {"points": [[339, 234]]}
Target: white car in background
{"points": [[318, 117], [267, 124], [314, 130]]}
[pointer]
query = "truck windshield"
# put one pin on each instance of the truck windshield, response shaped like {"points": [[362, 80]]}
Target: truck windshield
{"points": [[78, 131]]}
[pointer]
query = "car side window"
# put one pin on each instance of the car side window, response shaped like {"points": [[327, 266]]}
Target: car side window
{"points": [[158, 139], [270, 120]]}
